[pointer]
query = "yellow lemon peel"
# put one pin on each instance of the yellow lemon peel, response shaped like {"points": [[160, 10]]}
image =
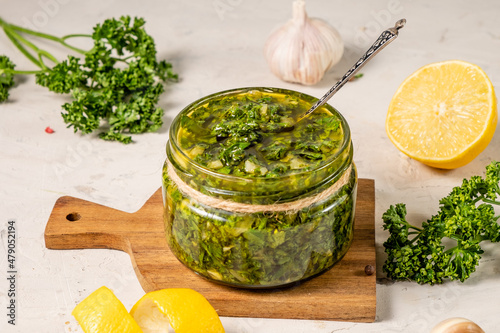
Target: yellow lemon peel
{"points": [[101, 312]]}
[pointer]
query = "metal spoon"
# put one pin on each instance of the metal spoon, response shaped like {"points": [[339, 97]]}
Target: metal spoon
{"points": [[383, 40]]}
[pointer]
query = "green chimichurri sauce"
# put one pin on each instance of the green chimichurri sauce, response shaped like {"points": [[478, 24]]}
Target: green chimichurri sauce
{"points": [[260, 156], [254, 134]]}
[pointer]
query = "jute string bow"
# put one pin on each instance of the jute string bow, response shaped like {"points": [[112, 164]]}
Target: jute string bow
{"points": [[239, 207]]}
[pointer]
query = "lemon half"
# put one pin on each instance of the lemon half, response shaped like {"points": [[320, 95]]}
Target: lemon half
{"points": [[185, 310], [444, 114]]}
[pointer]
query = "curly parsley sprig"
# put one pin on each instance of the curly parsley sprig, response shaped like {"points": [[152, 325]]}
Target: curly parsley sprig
{"points": [[466, 218], [117, 82]]}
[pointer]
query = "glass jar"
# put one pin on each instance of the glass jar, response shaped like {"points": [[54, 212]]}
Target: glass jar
{"points": [[258, 232]]}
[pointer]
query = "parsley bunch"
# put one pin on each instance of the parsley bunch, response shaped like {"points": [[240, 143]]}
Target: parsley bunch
{"points": [[118, 81], [447, 246]]}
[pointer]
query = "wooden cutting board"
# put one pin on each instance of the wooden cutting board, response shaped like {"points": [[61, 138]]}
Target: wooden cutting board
{"points": [[343, 293]]}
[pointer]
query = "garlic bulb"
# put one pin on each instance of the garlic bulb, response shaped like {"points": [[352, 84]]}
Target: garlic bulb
{"points": [[457, 325], [304, 48]]}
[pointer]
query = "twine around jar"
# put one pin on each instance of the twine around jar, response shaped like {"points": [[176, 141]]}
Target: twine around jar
{"points": [[239, 207]]}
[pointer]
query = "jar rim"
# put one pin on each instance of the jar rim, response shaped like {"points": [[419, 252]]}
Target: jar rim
{"points": [[173, 143]]}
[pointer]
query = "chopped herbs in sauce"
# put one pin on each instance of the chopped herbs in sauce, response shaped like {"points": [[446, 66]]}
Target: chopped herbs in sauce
{"points": [[254, 135], [263, 249]]}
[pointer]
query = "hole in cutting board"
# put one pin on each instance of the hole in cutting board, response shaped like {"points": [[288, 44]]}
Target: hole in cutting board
{"points": [[73, 217]]}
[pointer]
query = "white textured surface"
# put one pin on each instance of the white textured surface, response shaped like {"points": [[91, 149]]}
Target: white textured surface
{"points": [[216, 45]]}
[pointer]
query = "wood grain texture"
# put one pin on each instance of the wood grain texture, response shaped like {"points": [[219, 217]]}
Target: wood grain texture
{"points": [[344, 293]]}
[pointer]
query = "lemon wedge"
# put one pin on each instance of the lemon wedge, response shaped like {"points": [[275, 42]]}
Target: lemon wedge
{"points": [[185, 310], [444, 114]]}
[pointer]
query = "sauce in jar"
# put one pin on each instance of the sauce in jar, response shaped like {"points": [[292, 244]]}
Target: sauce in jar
{"points": [[253, 199]]}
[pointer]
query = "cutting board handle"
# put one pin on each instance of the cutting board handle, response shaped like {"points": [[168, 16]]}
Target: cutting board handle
{"points": [[79, 224]]}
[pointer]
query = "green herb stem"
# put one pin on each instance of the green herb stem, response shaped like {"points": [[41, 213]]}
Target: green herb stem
{"points": [[490, 201], [414, 228], [75, 36], [36, 71], [60, 40], [22, 49], [18, 40]]}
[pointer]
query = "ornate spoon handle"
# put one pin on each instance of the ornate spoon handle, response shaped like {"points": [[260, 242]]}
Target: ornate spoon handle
{"points": [[383, 40]]}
